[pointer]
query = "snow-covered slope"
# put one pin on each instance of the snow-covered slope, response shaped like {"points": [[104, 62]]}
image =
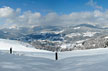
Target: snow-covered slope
{"points": [[6, 44], [63, 34], [27, 58], [86, 60], [89, 34]]}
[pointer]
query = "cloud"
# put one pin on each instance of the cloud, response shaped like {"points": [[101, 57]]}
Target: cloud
{"points": [[94, 4], [6, 12], [14, 18]]}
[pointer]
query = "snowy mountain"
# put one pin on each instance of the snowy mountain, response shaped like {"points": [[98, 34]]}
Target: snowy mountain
{"points": [[53, 37], [26, 57]]}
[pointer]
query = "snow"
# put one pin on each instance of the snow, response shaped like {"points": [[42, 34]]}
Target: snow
{"points": [[106, 37], [79, 43], [58, 32], [89, 34], [77, 27], [78, 60], [87, 60], [6, 44], [73, 34], [49, 31], [63, 46]]}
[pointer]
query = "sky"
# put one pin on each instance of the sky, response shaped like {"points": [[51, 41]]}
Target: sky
{"points": [[48, 12], [58, 6]]}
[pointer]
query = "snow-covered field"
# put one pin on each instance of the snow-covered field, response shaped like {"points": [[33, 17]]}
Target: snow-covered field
{"points": [[38, 60], [6, 44]]}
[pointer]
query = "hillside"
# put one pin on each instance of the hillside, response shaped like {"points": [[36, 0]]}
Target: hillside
{"points": [[86, 60], [6, 44], [27, 58], [57, 38]]}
